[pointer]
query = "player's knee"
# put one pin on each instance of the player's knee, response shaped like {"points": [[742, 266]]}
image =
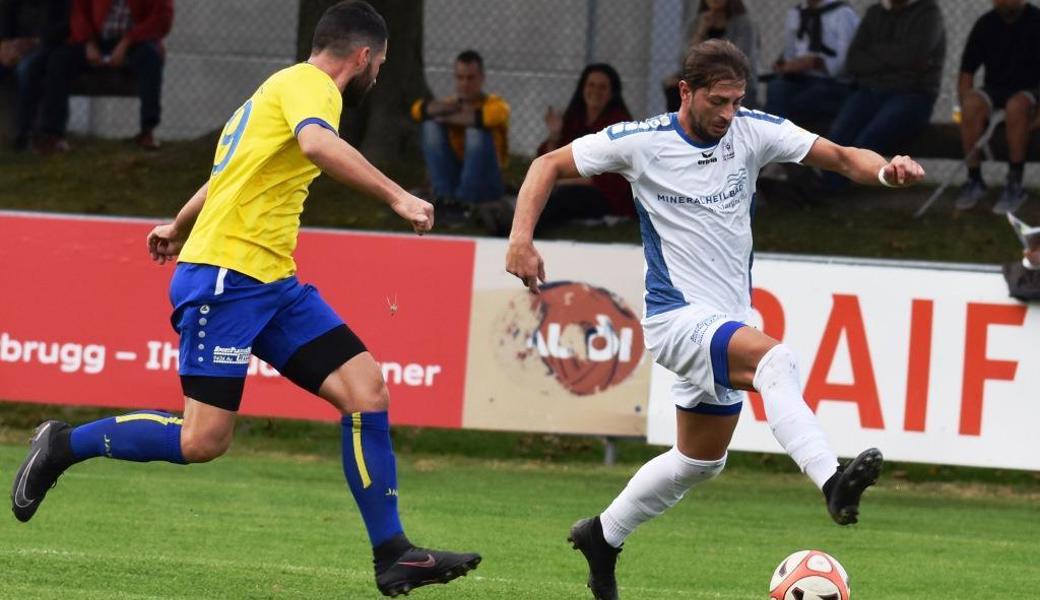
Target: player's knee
{"points": [[690, 471], [779, 361], [370, 397], [198, 448]]}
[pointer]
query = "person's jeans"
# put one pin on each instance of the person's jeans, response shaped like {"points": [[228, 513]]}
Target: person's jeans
{"points": [[805, 98], [29, 73], [476, 179], [880, 120], [66, 62]]}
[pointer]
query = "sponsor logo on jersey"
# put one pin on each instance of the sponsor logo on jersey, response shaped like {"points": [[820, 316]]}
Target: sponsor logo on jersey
{"points": [[229, 355], [727, 150], [733, 192]]}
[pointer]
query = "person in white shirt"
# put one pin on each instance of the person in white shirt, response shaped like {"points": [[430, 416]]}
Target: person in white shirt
{"points": [[809, 81], [693, 178]]}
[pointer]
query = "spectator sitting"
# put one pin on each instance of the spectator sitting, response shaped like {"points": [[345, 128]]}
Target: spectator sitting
{"points": [[465, 140], [596, 103], [1006, 41], [809, 82], [29, 31], [726, 19], [103, 34], [896, 58]]}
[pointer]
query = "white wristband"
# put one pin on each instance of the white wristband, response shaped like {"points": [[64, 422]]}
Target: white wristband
{"points": [[881, 178]]}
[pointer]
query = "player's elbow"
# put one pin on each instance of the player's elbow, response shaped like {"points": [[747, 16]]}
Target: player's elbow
{"points": [[311, 148], [552, 164], [314, 144]]}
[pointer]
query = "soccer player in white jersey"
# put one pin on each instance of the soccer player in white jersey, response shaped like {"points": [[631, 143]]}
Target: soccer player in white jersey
{"points": [[693, 178]]}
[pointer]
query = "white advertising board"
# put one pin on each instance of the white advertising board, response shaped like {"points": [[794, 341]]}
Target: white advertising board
{"points": [[928, 363]]}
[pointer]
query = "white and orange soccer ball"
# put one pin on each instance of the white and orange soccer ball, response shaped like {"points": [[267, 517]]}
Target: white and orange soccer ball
{"points": [[809, 575]]}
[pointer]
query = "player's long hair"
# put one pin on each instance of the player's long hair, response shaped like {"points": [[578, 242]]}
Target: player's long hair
{"points": [[576, 108], [712, 61]]}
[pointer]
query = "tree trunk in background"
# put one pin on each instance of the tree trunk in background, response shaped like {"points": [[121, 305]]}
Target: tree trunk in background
{"points": [[381, 127]]}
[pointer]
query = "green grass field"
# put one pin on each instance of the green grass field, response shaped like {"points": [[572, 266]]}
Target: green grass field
{"points": [[274, 519], [261, 524]]}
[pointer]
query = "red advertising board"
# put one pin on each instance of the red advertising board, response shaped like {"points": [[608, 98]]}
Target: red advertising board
{"points": [[84, 317]]}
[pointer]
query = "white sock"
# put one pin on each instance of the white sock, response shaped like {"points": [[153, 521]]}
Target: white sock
{"points": [[793, 424], [656, 487]]}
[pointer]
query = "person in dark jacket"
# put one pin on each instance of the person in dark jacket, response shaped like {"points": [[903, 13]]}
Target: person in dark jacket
{"points": [[108, 34], [595, 104], [29, 31], [896, 60], [1006, 41]]}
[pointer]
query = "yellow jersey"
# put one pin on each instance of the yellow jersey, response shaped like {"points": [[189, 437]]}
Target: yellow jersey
{"points": [[260, 176]]}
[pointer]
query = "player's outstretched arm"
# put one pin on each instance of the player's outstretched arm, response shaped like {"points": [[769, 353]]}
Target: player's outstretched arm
{"points": [[166, 240], [522, 259], [863, 166], [345, 164]]}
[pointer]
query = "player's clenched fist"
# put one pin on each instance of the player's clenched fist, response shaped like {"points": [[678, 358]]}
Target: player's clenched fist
{"points": [[416, 211], [164, 243], [524, 261], [902, 171]]}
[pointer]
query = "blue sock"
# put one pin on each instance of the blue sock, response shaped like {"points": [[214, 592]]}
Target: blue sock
{"points": [[141, 437], [371, 471]]}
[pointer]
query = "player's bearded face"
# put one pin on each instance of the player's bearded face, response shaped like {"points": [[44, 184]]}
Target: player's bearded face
{"points": [[712, 109], [360, 84]]}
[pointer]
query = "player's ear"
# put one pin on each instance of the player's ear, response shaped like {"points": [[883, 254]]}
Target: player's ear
{"points": [[685, 93], [363, 58]]}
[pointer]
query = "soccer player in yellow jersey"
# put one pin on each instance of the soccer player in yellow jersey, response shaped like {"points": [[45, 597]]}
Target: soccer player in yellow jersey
{"points": [[234, 293]]}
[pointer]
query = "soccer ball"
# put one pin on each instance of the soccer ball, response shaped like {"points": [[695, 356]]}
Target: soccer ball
{"points": [[809, 575]]}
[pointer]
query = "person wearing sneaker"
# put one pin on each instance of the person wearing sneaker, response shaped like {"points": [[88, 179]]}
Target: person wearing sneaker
{"points": [[234, 293], [107, 34], [465, 142], [1006, 41], [693, 177]]}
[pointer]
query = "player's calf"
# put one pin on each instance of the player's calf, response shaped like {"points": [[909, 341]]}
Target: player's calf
{"points": [[845, 488]]}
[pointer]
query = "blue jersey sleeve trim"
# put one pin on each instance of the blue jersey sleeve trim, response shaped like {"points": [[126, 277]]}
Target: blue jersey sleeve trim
{"points": [[714, 409], [760, 116], [314, 121], [720, 352], [661, 294]]}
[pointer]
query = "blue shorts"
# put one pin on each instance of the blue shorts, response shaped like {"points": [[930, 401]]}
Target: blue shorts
{"points": [[224, 316]]}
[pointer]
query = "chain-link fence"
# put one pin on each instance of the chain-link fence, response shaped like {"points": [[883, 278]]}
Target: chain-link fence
{"points": [[533, 50]]}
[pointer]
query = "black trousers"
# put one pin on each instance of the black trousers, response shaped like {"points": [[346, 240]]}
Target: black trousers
{"points": [[568, 202], [67, 62]]}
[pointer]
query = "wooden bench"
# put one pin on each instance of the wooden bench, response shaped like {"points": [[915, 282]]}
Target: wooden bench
{"points": [[92, 82]]}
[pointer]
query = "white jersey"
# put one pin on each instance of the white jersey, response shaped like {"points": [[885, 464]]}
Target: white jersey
{"points": [[694, 201]]}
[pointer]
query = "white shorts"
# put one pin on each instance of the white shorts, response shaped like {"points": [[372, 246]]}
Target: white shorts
{"points": [[692, 342]]}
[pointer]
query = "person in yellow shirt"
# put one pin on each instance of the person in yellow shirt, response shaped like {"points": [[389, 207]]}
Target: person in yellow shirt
{"points": [[235, 293], [465, 139]]}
